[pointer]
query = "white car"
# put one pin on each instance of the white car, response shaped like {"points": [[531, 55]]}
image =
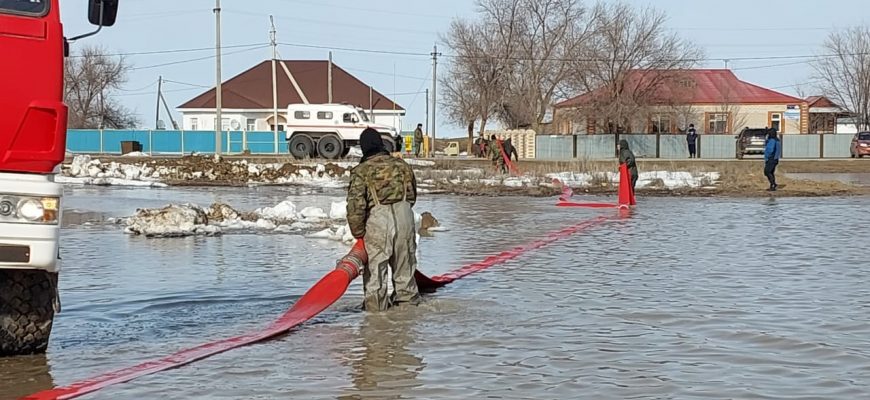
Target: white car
{"points": [[329, 130]]}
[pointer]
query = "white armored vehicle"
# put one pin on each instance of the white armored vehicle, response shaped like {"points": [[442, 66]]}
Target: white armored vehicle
{"points": [[329, 130]]}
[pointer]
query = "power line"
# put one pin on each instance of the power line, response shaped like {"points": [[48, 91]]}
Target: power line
{"points": [[191, 50], [196, 59], [772, 65], [343, 7], [185, 83], [386, 74]]}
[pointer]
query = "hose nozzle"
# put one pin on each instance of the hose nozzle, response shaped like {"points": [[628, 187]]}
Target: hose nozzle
{"points": [[355, 260]]}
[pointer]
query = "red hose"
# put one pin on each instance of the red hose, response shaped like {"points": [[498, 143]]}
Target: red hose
{"points": [[323, 294]]}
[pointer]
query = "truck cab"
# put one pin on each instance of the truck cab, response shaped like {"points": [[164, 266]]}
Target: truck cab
{"points": [[33, 127], [330, 130]]}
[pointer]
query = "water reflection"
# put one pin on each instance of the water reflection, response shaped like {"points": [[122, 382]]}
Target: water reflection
{"points": [[20, 376], [383, 366]]}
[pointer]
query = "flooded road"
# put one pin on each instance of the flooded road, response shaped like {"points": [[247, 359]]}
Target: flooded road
{"points": [[687, 299]]}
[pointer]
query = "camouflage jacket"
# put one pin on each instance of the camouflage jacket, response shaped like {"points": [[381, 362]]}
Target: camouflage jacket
{"points": [[495, 150], [418, 135], [382, 179]]}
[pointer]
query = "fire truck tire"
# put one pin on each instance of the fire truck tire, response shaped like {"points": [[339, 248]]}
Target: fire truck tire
{"points": [[330, 147], [28, 299], [301, 146]]}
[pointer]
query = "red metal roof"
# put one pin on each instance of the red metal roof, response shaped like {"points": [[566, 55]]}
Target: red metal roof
{"points": [[701, 87], [821, 102], [252, 89]]}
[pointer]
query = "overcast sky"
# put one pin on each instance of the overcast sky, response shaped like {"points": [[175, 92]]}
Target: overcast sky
{"points": [[730, 29]]}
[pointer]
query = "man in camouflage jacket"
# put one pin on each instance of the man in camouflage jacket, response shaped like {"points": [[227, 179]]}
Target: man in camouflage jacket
{"points": [[382, 192]]}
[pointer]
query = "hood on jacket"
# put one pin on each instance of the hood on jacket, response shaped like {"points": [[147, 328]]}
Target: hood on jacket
{"points": [[371, 144], [623, 144]]}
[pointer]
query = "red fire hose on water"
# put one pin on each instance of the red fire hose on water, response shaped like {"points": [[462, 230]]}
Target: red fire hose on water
{"points": [[323, 294]]}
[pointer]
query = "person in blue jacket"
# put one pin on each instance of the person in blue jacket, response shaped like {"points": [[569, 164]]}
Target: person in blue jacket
{"points": [[772, 152]]}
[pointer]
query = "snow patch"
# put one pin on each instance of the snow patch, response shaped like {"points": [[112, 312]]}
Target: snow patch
{"points": [[338, 210]]}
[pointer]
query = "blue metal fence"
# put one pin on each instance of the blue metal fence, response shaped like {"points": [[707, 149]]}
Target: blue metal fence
{"points": [[174, 142]]}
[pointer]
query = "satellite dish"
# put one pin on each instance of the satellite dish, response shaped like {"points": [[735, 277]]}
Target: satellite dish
{"points": [[235, 125]]}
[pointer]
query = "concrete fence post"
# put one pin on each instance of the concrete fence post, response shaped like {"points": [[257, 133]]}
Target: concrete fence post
{"points": [[182, 142]]}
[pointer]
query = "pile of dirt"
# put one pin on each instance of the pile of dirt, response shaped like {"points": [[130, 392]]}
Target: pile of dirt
{"points": [[218, 171]]}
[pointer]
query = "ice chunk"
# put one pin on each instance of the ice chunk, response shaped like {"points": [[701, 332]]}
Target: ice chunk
{"points": [[338, 210]]}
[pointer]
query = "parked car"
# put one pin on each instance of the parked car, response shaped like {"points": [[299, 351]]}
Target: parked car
{"points": [[860, 146], [751, 141], [452, 149]]}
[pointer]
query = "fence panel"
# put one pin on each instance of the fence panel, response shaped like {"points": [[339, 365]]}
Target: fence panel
{"points": [[595, 147], [718, 146], [837, 146], [801, 146], [83, 141], [673, 147], [166, 142], [642, 145], [554, 147]]}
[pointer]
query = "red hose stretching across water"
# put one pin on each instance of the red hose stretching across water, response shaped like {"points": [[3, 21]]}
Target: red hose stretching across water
{"points": [[323, 294]]}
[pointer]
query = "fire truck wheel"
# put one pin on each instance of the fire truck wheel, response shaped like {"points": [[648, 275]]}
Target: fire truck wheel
{"points": [[301, 146], [28, 300], [330, 147]]}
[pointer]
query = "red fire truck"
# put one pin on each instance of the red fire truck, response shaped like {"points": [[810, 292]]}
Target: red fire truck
{"points": [[33, 121]]}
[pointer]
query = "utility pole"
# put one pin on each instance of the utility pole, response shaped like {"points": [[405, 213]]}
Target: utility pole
{"points": [[329, 80], [726, 62], [273, 36], [159, 95], [427, 108], [219, 88], [435, 55]]}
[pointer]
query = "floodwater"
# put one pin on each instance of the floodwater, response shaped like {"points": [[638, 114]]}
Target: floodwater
{"points": [[686, 299]]}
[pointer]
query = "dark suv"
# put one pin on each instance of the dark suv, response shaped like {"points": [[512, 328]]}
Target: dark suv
{"points": [[751, 141]]}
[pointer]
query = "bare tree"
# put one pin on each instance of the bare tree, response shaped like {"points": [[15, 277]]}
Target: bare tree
{"points": [[844, 71], [551, 33], [90, 81], [630, 57], [460, 101]]}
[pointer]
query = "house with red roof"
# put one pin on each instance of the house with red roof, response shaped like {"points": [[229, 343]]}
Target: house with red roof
{"points": [[715, 101], [827, 117], [247, 104]]}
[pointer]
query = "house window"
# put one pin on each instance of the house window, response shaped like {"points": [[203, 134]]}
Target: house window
{"points": [[225, 125], [302, 115], [252, 124], [775, 122], [194, 124], [717, 123], [280, 128], [661, 123], [324, 115]]}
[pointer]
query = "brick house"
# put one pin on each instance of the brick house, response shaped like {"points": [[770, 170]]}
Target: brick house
{"points": [[714, 100]]}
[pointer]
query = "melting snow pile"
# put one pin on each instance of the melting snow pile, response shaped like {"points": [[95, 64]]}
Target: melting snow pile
{"points": [[153, 173], [193, 220], [86, 171]]}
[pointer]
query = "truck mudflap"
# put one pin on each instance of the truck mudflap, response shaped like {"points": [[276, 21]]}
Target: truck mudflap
{"points": [[39, 143]]}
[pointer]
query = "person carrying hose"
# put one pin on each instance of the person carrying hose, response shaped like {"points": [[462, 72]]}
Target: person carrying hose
{"points": [[382, 191], [495, 154], [626, 156]]}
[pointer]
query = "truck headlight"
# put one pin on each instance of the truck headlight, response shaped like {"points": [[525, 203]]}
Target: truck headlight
{"points": [[29, 209]]}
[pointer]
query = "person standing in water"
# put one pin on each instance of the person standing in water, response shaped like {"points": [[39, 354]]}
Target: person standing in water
{"points": [[626, 156], [382, 191]]}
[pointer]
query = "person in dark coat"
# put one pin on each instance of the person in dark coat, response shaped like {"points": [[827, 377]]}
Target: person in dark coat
{"points": [[692, 140], [772, 151], [510, 150], [626, 156]]}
